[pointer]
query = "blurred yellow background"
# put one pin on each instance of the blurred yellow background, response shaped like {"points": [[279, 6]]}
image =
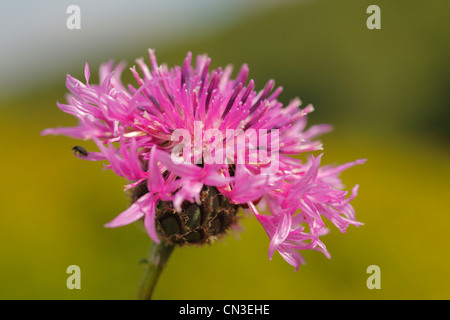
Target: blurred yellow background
{"points": [[385, 91]]}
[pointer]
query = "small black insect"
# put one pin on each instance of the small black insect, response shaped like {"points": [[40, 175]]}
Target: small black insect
{"points": [[80, 151]]}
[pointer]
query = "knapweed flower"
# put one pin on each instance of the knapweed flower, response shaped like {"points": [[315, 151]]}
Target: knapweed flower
{"points": [[198, 145]]}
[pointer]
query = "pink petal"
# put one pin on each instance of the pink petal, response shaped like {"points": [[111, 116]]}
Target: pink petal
{"points": [[87, 73], [132, 214], [149, 221], [281, 233]]}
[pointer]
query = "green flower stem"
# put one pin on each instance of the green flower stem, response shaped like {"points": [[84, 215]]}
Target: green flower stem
{"points": [[156, 261]]}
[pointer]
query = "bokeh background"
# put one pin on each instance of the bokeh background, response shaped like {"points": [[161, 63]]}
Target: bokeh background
{"points": [[385, 91]]}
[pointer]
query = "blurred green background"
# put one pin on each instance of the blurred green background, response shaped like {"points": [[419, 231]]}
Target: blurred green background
{"points": [[385, 91]]}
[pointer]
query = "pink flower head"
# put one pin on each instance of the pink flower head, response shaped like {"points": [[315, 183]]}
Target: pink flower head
{"points": [[188, 128]]}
